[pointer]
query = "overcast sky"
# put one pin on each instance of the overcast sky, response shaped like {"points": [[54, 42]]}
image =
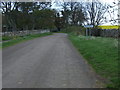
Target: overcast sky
{"points": [[103, 1]]}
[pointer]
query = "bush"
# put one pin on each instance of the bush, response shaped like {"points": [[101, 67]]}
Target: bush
{"points": [[6, 38], [77, 30], [95, 31]]}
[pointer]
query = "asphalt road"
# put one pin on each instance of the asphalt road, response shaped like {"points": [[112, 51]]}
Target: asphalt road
{"points": [[47, 62]]}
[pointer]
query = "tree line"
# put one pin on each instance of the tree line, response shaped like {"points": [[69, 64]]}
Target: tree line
{"points": [[26, 15], [39, 15]]}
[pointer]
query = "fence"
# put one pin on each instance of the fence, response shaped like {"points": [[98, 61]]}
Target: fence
{"points": [[109, 33], [104, 32], [23, 33]]}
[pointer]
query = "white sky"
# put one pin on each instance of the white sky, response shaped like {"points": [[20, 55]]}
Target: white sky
{"points": [[104, 1]]}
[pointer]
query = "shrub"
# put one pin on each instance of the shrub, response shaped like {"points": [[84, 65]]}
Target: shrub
{"points": [[77, 30]]}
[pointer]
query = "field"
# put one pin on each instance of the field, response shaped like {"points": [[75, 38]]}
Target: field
{"points": [[102, 54], [109, 27]]}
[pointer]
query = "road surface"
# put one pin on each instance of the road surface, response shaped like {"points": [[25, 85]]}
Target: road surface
{"points": [[47, 62]]}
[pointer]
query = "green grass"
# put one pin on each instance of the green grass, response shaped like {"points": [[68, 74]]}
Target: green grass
{"points": [[4, 38], [102, 54], [16, 40]]}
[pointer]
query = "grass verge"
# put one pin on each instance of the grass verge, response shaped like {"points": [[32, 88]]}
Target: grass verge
{"points": [[102, 54], [22, 39]]}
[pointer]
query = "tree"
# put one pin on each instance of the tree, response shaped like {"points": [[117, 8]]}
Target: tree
{"points": [[73, 13], [20, 15], [44, 18], [65, 12], [6, 13], [96, 11], [59, 22], [114, 13], [77, 14]]}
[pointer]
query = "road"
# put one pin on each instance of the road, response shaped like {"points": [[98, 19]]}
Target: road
{"points": [[47, 62]]}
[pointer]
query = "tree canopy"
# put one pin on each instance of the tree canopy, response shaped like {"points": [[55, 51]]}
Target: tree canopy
{"points": [[40, 15]]}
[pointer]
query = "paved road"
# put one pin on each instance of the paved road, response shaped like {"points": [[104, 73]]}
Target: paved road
{"points": [[47, 62]]}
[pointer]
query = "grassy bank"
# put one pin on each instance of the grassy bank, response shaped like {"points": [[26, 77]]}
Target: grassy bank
{"points": [[102, 54], [16, 40]]}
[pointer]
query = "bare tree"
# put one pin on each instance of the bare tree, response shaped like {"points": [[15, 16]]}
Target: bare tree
{"points": [[114, 13], [96, 11], [73, 13], [7, 8]]}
